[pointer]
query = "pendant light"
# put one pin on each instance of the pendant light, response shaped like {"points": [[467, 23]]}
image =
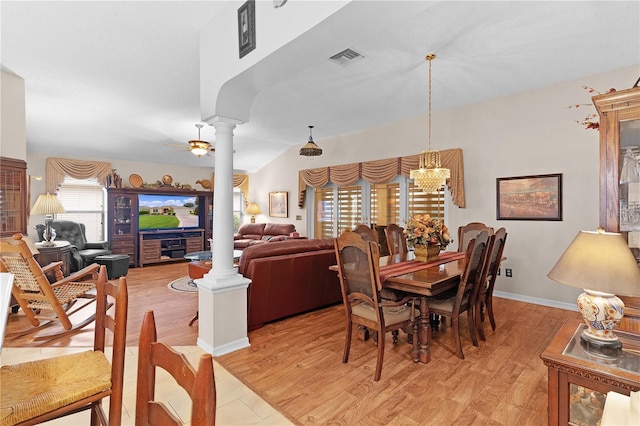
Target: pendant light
{"points": [[310, 149], [430, 176]]}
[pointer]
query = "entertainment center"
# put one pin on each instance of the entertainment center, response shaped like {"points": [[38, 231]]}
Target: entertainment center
{"points": [[153, 225]]}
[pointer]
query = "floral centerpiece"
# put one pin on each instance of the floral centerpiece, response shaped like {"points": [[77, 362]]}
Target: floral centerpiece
{"points": [[428, 235]]}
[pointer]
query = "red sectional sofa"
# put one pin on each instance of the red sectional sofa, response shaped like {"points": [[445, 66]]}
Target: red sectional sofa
{"points": [[256, 233], [288, 278]]}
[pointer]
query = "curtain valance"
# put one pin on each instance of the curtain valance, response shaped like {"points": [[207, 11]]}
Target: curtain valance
{"points": [[383, 171], [58, 168]]}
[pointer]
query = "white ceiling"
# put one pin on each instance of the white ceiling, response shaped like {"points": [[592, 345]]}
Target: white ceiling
{"points": [[120, 80]]}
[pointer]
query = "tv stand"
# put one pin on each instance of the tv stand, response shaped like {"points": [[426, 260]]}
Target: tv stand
{"points": [[167, 245]]}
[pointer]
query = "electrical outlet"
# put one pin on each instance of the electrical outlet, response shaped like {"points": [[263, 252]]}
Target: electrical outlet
{"points": [[508, 272], [499, 271]]}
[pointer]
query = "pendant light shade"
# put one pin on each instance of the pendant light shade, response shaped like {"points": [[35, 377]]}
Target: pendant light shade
{"points": [[199, 147], [310, 149], [430, 176]]}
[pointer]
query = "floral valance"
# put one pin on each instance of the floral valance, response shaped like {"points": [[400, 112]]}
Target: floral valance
{"points": [[58, 168], [383, 171]]}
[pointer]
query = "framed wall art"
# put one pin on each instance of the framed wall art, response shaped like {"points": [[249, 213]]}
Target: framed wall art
{"points": [[247, 27], [529, 197], [279, 204]]}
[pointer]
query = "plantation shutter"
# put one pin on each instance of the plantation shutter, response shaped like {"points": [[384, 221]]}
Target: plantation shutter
{"points": [[83, 201], [349, 207], [324, 213], [431, 203], [385, 203]]}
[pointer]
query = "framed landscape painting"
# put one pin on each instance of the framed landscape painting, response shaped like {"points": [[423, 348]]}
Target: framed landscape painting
{"points": [[529, 197], [279, 204]]}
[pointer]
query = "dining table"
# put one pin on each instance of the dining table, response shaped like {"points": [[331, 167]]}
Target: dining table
{"points": [[424, 280]]}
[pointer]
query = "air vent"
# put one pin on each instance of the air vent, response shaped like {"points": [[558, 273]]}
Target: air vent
{"points": [[346, 57]]}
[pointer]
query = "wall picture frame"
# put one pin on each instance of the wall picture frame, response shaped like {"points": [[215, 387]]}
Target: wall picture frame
{"points": [[537, 197], [247, 27], [279, 204]]}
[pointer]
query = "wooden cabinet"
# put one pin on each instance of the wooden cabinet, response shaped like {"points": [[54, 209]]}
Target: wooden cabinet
{"points": [[13, 197], [620, 177], [122, 219], [168, 245], [127, 237], [580, 376]]}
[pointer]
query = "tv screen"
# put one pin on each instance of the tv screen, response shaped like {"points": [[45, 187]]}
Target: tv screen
{"points": [[167, 211]]}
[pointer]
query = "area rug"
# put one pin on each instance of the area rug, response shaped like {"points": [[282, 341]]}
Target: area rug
{"points": [[184, 284]]}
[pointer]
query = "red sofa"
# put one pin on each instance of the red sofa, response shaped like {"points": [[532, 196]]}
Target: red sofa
{"points": [[256, 233], [288, 278]]}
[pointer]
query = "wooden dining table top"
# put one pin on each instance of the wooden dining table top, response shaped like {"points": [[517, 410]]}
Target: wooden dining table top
{"points": [[424, 282]]}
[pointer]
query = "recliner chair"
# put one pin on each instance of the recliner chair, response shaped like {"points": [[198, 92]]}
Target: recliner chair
{"points": [[82, 252]]}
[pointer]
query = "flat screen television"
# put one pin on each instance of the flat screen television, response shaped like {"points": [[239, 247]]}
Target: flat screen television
{"points": [[158, 211]]}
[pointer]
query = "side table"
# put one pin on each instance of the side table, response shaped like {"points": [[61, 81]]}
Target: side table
{"points": [[61, 251], [580, 376]]}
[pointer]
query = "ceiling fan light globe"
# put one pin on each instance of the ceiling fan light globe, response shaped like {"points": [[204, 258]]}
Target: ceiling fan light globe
{"points": [[199, 148]]}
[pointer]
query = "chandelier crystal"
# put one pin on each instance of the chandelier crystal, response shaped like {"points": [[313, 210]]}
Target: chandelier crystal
{"points": [[430, 176]]}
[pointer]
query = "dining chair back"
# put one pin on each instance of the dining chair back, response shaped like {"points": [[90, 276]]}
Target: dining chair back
{"points": [[199, 385], [366, 232], [469, 231], [463, 300], [358, 270], [485, 297], [42, 302], [396, 240], [51, 388]]}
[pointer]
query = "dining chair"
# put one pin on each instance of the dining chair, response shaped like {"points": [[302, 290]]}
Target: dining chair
{"points": [[396, 240], [469, 231], [359, 275], [464, 298], [51, 388], [199, 385], [485, 297], [42, 302]]}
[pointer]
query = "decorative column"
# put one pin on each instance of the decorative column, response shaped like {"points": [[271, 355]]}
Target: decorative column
{"points": [[222, 300]]}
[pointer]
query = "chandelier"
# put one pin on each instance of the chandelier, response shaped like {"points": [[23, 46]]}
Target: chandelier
{"points": [[430, 176], [310, 149]]}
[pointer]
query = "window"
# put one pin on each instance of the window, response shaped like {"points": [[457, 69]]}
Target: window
{"points": [[340, 208], [84, 202], [238, 209]]}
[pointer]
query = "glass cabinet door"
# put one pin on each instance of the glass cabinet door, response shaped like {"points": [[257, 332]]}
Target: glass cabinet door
{"points": [[122, 215], [630, 183], [13, 198]]}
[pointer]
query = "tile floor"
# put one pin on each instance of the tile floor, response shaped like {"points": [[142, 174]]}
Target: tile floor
{"points": [[236, 404]]}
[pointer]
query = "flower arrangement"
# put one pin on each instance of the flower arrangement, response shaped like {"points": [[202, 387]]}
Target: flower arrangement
{"points": [[423, 229], [590, 121]]}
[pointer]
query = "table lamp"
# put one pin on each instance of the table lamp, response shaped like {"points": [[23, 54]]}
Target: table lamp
{"points": [[602, 264], [253, 209], [48, 205]]}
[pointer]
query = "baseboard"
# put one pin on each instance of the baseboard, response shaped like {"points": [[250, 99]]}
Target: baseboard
{"points": [[537, 301], [224, 349]]}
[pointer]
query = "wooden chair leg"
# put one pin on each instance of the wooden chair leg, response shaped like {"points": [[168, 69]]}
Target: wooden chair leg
{"points": [[347, 343], [380, 359], [489, 304], [478, 321], [395, 333], [456, 336], [472, 325]]}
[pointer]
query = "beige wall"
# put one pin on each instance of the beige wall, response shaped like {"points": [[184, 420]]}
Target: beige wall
{"points": [[13, 134], [528, 133]]}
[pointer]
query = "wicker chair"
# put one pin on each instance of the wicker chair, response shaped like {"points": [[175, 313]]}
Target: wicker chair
{"points": [[469, 231], [396, 240], [485, 298], [56, 387], [41, 300], [359, 275], [199, 385]]}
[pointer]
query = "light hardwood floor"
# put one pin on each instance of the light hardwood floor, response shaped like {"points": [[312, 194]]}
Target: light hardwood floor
{"points": [[295, 364]]}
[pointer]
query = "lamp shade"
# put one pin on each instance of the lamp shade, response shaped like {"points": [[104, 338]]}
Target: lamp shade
{"points": [[47, 204], [600, 261], [253, 209]]}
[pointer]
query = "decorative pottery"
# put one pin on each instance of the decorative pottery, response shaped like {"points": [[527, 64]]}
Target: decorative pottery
{"points": [[601, 312], [426, 253]]}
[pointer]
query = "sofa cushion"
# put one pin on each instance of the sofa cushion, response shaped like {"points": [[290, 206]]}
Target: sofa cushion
{"points": [[256, 230], [279, 229]]}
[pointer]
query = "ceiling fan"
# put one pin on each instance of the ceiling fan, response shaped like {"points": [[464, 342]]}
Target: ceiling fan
{"points": [[197, 147]]}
